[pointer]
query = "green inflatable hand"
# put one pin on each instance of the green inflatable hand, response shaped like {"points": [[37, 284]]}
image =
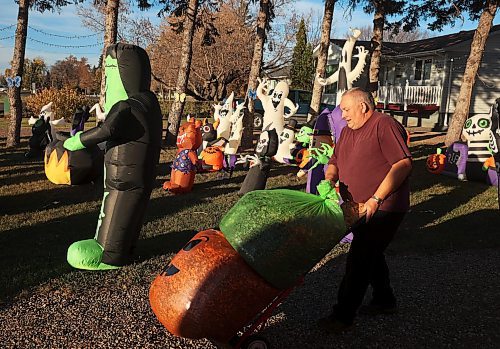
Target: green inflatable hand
{"points": [[74, 143]]}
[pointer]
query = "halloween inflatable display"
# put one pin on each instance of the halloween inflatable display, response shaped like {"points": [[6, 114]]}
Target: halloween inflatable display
{"points": [[235, 135], [185, 163], [184, 298], [63, 166], [223, 116], [435, 163], [344, 76], [132, 132], [220, 280], [494, 142], [327, 129], [274, 105], [43, 130], [476, 131], [286, 143], [260, 162]]}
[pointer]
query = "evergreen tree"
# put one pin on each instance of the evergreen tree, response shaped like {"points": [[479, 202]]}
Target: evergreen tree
{"points": [[302, 71]]}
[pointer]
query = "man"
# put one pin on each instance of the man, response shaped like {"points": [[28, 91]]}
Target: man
{"points": [[372, 162]]}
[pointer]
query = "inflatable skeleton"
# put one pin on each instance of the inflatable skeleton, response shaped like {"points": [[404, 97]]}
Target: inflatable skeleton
{"points": [[274, 105], [344, 76]]}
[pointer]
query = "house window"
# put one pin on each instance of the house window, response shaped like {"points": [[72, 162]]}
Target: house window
{"points": [[330, 69], [423, 69]]}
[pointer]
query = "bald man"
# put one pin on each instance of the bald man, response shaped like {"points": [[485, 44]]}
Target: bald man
{"points": [[372, 162]]}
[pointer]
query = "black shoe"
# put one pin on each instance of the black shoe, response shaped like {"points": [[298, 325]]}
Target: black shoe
{"points": [[333, 326], [378, 309]]}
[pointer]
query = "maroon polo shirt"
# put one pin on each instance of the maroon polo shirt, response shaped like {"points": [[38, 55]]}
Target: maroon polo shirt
{"points": [[365, 156]]}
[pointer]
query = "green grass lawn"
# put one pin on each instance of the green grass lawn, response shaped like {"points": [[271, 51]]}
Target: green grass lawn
{"points": [[39, 220]]}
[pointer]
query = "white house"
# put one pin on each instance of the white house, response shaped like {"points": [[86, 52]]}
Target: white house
{"points": [[422, 78]]}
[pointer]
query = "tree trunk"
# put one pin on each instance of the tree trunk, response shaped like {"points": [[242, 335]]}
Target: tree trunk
{"points": [[378, 32], [258, 52], [324, 43], [476, 54], [16, 104], [110, 35], [174, 116]]}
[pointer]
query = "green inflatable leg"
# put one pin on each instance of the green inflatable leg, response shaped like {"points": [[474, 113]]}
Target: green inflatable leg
{"points": [[87, 254]]}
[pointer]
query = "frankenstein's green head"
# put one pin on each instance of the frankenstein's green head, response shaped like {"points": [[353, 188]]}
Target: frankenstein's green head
{"points": [[127, 70]]}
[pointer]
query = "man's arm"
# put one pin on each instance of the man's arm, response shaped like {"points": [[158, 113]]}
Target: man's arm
{"points": [[392, 181]]}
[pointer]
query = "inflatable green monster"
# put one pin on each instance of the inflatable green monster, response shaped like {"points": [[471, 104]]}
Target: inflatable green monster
{"points": [[132, 132]]}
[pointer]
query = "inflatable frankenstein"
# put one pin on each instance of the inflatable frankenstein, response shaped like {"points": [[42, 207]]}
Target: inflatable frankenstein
{"points": [[132, 132]]}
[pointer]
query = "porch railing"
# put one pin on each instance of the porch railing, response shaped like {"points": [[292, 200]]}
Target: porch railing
{"points": [[408, 95]]}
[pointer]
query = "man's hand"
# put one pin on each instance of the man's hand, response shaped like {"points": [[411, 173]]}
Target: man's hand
{"points": [[74, 143]]}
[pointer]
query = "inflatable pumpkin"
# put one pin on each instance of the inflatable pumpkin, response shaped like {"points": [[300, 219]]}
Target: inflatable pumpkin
{"points": [[72, 167], [436, 162], [212, 158], [208, 290]]}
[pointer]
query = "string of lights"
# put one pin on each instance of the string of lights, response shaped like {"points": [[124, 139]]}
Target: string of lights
{"points": [[8, 37], [65, 46], [64, 36], [7, 27]]}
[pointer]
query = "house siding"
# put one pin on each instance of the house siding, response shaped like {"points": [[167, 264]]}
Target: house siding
{"points": [[487, 85]]}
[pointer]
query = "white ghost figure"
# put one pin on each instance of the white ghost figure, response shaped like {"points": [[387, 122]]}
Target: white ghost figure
{"points": [[286, 144], [476, 131], [344, 76], [274, 105], [236, 130], [47, 114], [223, 114]]}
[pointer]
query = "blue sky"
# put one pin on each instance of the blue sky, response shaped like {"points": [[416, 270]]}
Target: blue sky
{"points": [[49, 31]]}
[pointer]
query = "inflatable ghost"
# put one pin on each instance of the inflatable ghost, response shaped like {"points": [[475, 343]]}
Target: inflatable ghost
{"points": [[236, 130], [100, 114], [223, 115], [286, 143], [344, 76], [274, 105], [132, 131]]}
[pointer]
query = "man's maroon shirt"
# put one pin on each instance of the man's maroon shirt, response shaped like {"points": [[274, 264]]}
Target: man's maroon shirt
{"points": [[365, 156]]}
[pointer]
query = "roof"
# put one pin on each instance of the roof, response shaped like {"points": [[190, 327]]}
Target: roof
{"points": [[425, 45]]}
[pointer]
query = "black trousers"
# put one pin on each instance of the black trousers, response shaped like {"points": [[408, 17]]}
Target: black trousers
{"points": [[366, 265]]}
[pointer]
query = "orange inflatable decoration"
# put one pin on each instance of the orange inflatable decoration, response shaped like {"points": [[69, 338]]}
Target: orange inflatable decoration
{"points": [[185, 164], [436, 162], [208, 290], [212, 158]]}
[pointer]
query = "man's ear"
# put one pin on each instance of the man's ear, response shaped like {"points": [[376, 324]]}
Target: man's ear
{"points": [[365, 107]]}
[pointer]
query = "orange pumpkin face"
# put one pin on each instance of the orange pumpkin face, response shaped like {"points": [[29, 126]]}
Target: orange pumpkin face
{"points": [[212, 158], [189, 136], [208, 290], [435, 163]]}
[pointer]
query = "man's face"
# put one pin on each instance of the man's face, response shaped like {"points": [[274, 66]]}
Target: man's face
{"points": [[352, 112]]}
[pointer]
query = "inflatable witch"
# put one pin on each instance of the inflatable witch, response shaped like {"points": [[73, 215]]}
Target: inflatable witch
{"points": [[132, 131]]}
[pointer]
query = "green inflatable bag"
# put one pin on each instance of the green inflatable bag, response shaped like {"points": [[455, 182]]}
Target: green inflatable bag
{"points": [[283, 233]]}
